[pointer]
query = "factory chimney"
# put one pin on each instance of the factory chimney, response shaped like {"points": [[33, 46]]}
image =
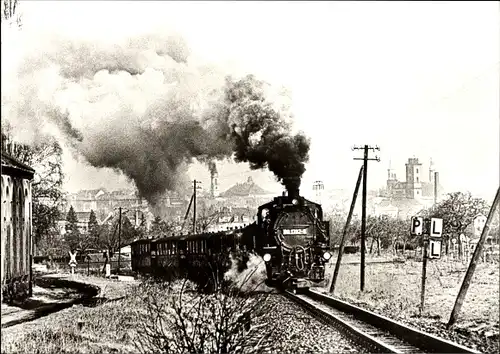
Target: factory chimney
{"points": [[214, 183]]}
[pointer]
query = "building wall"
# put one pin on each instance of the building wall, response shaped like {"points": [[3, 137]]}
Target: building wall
{"points": [[413, 179], [479, 222], [16, 241]]}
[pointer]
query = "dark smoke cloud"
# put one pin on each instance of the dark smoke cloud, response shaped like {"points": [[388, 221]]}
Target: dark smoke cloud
{"points": [[143, 107], [212, 167], [262, 135]]}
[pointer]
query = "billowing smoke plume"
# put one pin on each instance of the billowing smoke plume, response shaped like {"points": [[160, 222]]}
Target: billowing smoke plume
{"points": [[262, 134], [212, 167], [145, 108]]}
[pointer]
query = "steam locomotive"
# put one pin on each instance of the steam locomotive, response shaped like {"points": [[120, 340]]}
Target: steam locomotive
{"points": [[290, 235]]}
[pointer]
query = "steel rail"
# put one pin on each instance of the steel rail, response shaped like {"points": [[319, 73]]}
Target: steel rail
{"points": [[366, 340], [423, 341]]}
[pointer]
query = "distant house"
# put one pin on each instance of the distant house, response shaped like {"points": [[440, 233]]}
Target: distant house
{"points": [[83, 222], [475, 229], [102, 201], [126, 251], [230, 218], [399, 208]]}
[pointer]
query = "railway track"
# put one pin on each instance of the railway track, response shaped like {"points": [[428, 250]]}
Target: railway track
{"points": [[375, 332]]}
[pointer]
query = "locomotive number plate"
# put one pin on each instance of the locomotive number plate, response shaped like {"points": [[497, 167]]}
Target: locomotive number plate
{"points": [[294, 231]]}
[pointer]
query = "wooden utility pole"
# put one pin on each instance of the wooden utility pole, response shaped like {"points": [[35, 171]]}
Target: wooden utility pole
{"points": [[436, 182], [473, 262], [348, 222], [187, 213], [119, 237], [194, 205], [363, 212]]}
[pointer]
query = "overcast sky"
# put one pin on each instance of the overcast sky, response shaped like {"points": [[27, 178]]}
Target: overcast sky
{"points": [[415, 78]]}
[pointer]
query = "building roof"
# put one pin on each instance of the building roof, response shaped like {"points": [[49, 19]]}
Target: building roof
{"points": [[401, 203], [405, 206], [14, 167], [244, 189], [83, 216]]}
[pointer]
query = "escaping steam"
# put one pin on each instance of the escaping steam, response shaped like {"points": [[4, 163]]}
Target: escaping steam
{"points": [[250, 279], [146, 108]]}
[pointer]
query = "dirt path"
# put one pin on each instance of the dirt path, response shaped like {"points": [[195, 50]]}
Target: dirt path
{"points": [[51, 293]]}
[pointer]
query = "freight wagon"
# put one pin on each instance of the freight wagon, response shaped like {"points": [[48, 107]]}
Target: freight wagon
{"points": [[16, 267]]}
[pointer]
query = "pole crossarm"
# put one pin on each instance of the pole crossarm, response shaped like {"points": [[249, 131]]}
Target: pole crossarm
{"points": [[374, 159], [362, 147]]}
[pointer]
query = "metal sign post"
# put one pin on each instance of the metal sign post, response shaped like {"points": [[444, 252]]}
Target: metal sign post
{"points": [[431, 245], [424, 274]]}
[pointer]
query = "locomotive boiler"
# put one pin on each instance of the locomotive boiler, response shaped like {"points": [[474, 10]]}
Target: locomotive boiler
{"points": [[294, 241]]}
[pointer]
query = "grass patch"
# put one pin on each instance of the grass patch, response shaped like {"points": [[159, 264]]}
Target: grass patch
{"points": [[78, 329], [393, 289], [147, 318]]}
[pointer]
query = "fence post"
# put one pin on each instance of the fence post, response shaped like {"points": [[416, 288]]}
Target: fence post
{"points": [[88, 266]]}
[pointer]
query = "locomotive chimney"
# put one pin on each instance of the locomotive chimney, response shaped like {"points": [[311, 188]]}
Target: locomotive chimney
{"points": [[292, 187]]}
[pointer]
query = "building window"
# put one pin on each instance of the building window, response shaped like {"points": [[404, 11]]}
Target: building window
{"points": [[417, 179], [417, 170]]}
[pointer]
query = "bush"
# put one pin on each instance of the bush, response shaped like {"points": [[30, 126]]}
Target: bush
{"points": [[177, 319]]}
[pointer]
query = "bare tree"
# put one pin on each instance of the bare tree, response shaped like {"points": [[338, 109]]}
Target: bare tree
{"points": [[162, 228], [184, 321], [10, 13], [46, 158], [458, 211], [206, 217]]}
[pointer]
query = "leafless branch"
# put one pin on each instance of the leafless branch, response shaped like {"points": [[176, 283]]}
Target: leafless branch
{"points": [[183, 321]]}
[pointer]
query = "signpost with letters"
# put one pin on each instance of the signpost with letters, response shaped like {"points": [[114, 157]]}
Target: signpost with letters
{"points": [[431, 230], [435, 235]]}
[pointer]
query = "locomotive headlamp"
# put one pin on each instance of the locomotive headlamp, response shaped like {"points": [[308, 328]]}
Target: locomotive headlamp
{"points": [[267, 257], [295, 202], [327, 255]]}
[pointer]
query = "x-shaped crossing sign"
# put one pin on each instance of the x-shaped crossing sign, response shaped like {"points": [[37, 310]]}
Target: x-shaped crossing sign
{"points": [[72, 261]]}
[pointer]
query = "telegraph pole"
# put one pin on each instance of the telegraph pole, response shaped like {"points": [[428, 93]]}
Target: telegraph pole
{"points": [[194, 205], [365, 159], [436, 182], [472, 265], [341, 247], [119, 237]]}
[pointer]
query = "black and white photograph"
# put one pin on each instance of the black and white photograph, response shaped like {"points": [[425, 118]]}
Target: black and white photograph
{"points": [[217, 177]]}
